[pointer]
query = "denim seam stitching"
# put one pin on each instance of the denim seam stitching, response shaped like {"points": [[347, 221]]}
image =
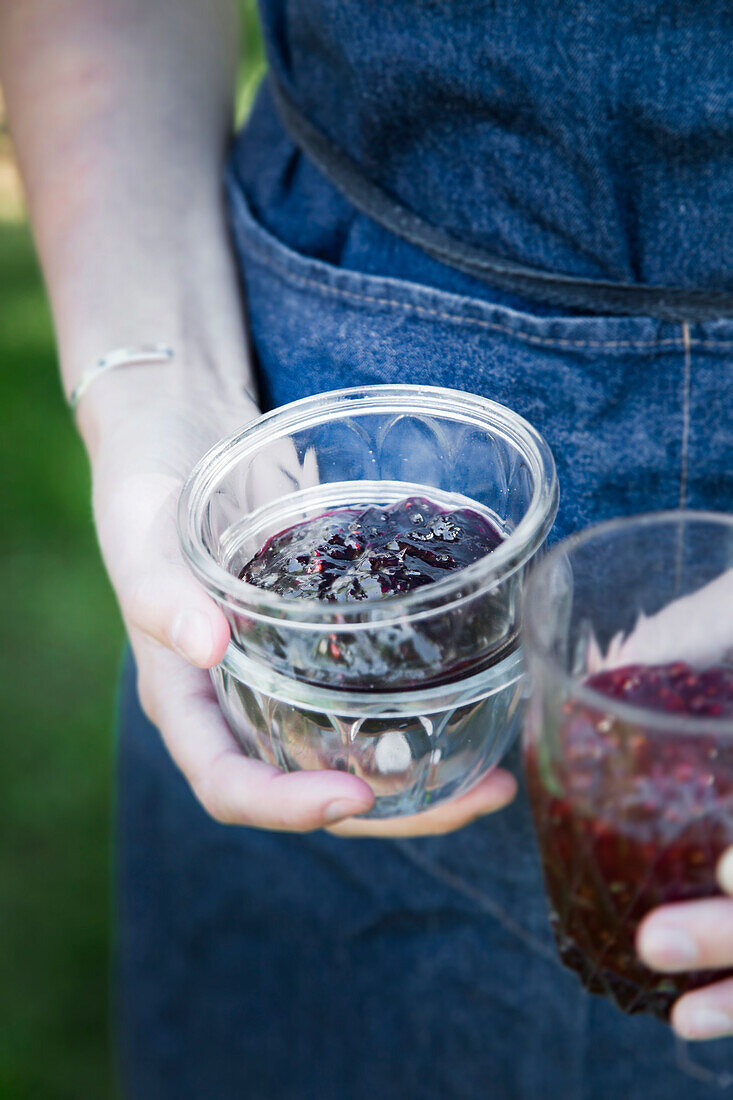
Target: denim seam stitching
{"points": [[688, 1065], [479, 898], [456, 318], [324, 288], [686, 381]]}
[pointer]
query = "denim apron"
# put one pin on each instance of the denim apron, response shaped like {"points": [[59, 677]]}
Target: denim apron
{"points": [[275, 967]]}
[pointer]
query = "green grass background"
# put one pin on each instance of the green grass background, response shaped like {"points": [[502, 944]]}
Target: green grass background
{"points": [[61, 641]]}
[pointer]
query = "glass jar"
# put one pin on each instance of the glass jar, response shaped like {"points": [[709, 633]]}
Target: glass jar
{"points": [[306, 683], [628, 751]]}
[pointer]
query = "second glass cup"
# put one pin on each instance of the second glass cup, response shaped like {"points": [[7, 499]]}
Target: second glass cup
{"points": [[418, 693], [628, 742]]}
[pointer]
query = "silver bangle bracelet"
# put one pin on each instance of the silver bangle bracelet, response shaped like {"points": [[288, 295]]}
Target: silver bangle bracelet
{"points": [[120, 357]]}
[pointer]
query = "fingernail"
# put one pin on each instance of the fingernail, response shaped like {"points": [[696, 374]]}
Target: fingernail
{"points": [[342, 808], [192, 636], [668, 948], [707, 1023], [725, 871]]}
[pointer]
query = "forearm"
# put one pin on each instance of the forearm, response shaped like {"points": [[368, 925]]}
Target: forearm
{"points": [[120, 112]]}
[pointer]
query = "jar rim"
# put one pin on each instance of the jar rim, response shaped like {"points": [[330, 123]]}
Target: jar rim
{"points": [[483, 574], [632, 713]]}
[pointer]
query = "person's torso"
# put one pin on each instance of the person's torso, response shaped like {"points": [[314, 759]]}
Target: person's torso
{"points": [[588, 138]]}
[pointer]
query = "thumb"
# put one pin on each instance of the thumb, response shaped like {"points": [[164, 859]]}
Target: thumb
{"points": [[168, 605], [157, 592]]}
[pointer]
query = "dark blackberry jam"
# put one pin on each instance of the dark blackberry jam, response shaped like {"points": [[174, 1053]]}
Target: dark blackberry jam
{"points": [[368, 553], [630, 818], [361, 555]]}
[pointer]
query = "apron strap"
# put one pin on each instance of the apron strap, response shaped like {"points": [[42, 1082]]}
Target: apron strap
{"points": [[565, 291]]}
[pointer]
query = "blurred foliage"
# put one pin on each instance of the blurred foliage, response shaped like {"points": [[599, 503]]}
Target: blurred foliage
{"points": [[252, 63], [61, 642], [61, 646]]}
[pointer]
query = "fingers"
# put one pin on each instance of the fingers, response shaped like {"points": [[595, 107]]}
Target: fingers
{"points": [[706, 1013], [724, 871], [237, 790], [170, 607], [695, 935], [492, 793], [692, 935], [234, 789], [158, 594]]}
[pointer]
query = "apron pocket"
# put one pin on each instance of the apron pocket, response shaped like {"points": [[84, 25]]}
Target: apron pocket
{"points": [[619, 399]]}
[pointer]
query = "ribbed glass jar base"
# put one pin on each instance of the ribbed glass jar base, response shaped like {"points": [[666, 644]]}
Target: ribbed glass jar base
{"points": [[415, 749]]}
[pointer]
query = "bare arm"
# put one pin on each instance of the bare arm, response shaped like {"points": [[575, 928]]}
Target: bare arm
{"points": [[120, 112]]}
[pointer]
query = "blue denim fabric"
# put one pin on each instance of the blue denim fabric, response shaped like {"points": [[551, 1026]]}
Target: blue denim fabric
{"points": [[278, 967], [584, 137]]}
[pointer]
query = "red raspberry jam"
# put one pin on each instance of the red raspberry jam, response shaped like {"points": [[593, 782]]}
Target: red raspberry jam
{"points": [[630, 818], [368, 553]]}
